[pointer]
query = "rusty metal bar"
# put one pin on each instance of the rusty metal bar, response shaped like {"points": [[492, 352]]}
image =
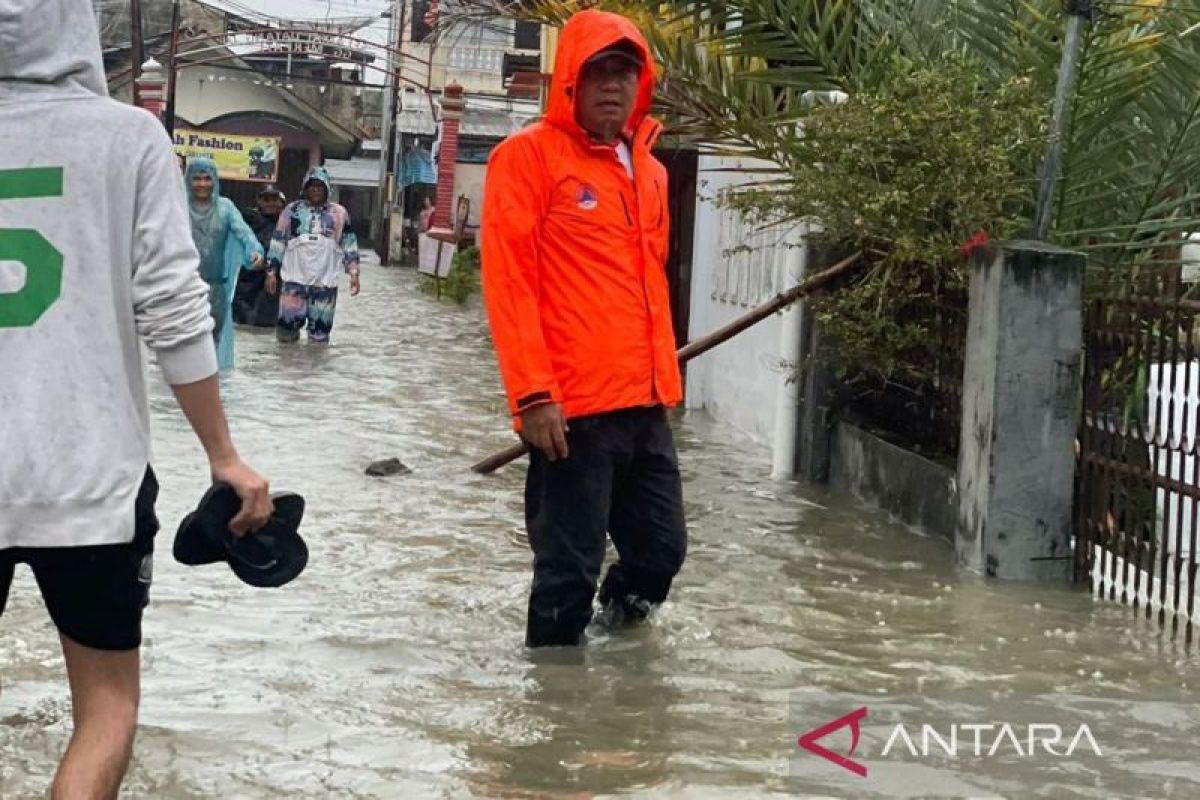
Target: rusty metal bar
{"points": [[1189, 329], [1090, 420], [1143, 528], [1084, 560], [1174, 458], [1163, 535], [1143, 302]]}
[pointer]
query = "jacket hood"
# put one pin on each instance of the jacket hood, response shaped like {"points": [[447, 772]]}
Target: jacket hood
{"points": [[200, 165], [584, 35], [321, 175], [49, 47]]}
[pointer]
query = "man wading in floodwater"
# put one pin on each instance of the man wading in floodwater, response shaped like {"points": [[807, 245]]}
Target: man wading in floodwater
{"points": [[574, 245]]}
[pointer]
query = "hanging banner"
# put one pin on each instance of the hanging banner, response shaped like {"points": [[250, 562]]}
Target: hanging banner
{"points": [[300, 42], [238, 158]]}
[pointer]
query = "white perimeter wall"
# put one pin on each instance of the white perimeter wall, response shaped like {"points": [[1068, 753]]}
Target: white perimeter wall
{"points": [[736, 266]]}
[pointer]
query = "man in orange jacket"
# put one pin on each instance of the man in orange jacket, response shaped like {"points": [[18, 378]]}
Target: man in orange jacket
{"points": [[574, 244]]}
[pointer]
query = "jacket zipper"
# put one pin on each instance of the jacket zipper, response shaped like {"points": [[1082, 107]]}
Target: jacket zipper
{"points": [[647, 137], [625, 208], [654, 396]]}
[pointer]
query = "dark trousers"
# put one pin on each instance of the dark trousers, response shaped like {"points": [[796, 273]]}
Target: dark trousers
{"points": [[252, 304], [621, 478]]}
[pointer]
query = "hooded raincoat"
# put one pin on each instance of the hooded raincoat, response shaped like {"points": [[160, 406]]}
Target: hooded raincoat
{"points": [[226, 245], [574, 249], [313, 244]]}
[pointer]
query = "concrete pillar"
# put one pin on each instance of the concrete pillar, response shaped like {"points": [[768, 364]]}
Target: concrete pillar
{"points": [[1016, 464], [453, 106]]}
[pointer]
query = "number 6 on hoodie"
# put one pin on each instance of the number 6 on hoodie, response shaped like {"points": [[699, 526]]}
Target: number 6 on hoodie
{"points": [[42, 262]]}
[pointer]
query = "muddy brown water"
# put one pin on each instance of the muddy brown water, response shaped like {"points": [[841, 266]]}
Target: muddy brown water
{"points": [[393, 668]]}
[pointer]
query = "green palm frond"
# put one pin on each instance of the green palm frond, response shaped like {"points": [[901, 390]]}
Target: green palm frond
{"points": [[740, 74]]}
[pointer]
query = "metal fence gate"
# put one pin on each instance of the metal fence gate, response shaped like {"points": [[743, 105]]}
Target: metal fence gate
{"points": [[1138, 477]]}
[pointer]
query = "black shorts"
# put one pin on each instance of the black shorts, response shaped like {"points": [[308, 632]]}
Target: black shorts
{"points": [[95, 594]]}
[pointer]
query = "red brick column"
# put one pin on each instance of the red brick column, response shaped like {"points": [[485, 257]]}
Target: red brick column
{"points": [[453, 106], [150, 89]]}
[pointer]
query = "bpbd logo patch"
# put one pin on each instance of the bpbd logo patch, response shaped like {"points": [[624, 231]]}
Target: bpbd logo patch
{"points": [[588, 198]]}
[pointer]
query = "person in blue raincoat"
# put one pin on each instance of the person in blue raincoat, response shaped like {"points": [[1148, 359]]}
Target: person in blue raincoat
{"points": [[226, 245]]}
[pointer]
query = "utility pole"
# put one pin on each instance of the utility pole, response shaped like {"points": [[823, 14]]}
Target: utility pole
{"points": [[137, 48], [1079, 14], [382, 245], [169, 116], [392, 145]]}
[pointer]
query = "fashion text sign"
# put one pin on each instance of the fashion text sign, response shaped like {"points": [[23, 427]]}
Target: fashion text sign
{"points": [[238, 158]]}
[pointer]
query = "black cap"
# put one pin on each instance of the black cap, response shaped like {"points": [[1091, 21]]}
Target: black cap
{"points": [[271, 189], [269, 557], [624, 49]]}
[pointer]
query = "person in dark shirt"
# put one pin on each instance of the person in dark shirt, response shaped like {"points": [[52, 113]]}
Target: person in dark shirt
{"points": [[251, 304]]}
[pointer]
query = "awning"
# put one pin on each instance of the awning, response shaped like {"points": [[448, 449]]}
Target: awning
{"points": [[362, 172], [485, 122]]}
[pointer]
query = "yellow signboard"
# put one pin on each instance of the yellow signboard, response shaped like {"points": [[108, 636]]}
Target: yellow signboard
{"points": [[238, 158]]}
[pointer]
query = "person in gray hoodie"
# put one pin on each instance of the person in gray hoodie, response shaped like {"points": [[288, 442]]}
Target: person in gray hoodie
{"points": [[94, 253]]}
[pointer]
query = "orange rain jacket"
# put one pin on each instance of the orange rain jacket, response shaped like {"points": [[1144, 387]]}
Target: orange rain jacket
{"points": [[574, 250]]}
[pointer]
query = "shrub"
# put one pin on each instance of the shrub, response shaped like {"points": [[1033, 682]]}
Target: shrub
{"points": [[461, 281], [908, 173]]}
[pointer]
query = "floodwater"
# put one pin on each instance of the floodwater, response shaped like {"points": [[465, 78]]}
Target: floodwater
{"points": [[393, 667]]}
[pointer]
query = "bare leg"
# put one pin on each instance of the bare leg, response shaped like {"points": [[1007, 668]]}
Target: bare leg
{"points": [[105, 688]]}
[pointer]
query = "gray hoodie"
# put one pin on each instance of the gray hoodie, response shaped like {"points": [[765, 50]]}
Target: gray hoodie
{"points": [[95, 251]]}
